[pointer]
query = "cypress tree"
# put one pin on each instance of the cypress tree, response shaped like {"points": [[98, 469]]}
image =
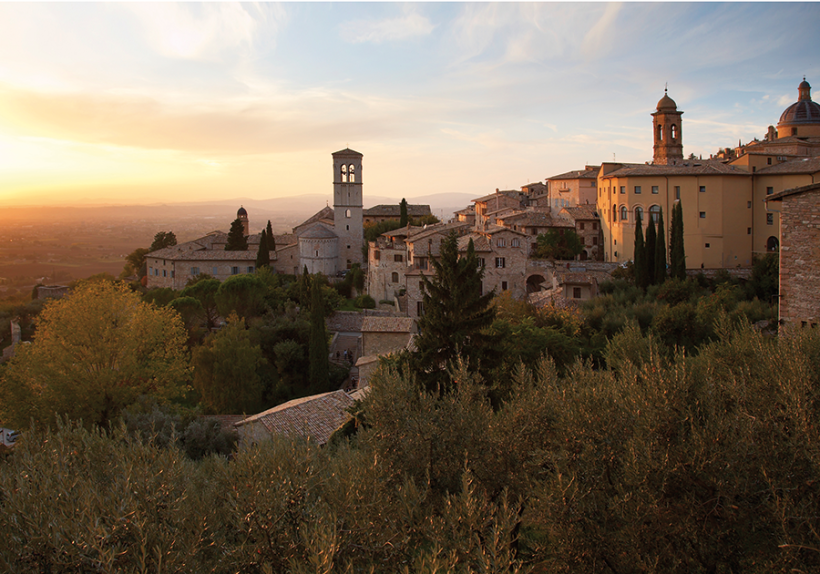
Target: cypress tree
{"points": [[677, 254], [271, 238], [650, 250], [660, 252], [236, 237], [304, 288], [403, 218], [641, 271], [454, 315], [263, 255], [319, 362]]}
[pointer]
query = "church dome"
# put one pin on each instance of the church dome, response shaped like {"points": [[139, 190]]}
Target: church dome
{"points": [[666, 104], [803, 112], [242, 212]]}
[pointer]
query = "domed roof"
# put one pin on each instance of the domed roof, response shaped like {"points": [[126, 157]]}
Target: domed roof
{"points": [[318, 232], [667, 104], [241, 212], [803, 111]]}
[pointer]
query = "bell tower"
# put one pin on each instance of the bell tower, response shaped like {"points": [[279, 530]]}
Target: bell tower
{"points": [[668, 132], [347, 206]]}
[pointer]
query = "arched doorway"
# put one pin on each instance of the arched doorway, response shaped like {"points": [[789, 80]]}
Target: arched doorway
{"points": [[772, 244], [534, 283]]}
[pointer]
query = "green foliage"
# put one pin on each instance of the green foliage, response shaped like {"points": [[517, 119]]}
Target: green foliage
{"points": [[135, 263], [319, 370], [373, 230], [365, 302], [263, 254], [677, 291], [660, 251], [677, 262], [270, 238], [204, 290], [226, 371], [95, 352], [237, 241], [680, 326], [765, 281], [455, 316], [403, 218], [641, 264], [241, 294], [162, 240], [563, 244], [190, 309], [160, 296], [651, 246]]}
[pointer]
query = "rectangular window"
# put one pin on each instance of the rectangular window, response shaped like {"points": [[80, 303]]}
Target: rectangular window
{"points": [[515, 243], [173, 273], [234, 270], [576, 292], [623, 190], [655, 189], [595, 241], [250, 268], [150, 271], [503, 285], [703, 189], [195, 271], [481, 262], [748, 204], [769, 190], [398, 258], [677, 192], [770, 219], [594, 226], [769, 160], [164, 273], [377, 255], [500, 263], [637, 189], [581, 226], [748, 231], [215, 271], [419, 308], [501, 243], [708, 245], [703, 215]]}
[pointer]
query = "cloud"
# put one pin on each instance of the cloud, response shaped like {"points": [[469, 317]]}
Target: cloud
{"points": [[409, 25], [193, 32]]}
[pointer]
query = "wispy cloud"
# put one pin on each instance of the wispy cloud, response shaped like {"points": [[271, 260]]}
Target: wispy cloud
{"points": [[408, 25]]}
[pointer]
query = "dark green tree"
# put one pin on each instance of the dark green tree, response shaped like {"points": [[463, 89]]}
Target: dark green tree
{"points": [[641, 269], [651, 239], [319, 362], [135, 263], [271, 239], [559, 244], [454, 318], [403, 217], [241, 294], [304, 288], [163, 239], [236, 237], [660, 251], [204, 291], [263, 254], [676, 249]]}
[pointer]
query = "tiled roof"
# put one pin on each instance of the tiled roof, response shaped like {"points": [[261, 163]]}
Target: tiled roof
{"points": [[325, 214], [315, 418], [319, 231], [583, 211], [481, 243], [437, 228], [405, 231], [387, 324], [492, 229], [806, 165], [578, 174], [536, 219], [794, 191], [691, 167], [395, 210], [511, 193]]}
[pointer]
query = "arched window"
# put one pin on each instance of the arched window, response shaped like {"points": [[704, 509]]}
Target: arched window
{"points": [[660, 133], [395, 277], [674, 132], [624, 213], [772, 244], [344, 173], [352, 171], [639, 212], [655, 212], [347, 211], [615, 213]]}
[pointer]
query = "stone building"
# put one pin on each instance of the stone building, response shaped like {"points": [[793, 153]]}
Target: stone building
{"points": [[572, 188], [799, 254], [379, 213]]}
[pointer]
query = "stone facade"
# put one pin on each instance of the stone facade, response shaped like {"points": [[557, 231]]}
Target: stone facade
{"points": [[799, 255]]}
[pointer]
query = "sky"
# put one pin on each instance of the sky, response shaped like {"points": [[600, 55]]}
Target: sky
{"points": [[124, 103]]}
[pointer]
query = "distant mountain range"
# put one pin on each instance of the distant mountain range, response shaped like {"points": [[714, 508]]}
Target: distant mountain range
{"points": [[283, 211]]}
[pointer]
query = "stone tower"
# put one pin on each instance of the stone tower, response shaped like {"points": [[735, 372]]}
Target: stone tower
{"points": [[668, 132], [242, 216], [347, 206]]}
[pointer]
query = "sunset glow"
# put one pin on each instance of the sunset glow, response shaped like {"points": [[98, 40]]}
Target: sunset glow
{"points": [[147, 103]]}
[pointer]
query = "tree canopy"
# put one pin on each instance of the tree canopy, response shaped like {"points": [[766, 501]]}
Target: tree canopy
{"points": [[236, 237], [454, 315], [94, 353], [162, 240], [563, 244]]}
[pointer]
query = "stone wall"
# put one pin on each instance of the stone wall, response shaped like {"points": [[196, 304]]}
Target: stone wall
{"points": [[800, 259]]}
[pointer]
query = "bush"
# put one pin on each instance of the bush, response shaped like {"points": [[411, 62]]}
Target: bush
{"points": [[365, 302]]}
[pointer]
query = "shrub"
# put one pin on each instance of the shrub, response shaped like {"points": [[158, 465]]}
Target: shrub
{"points": [[365, 302]]}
